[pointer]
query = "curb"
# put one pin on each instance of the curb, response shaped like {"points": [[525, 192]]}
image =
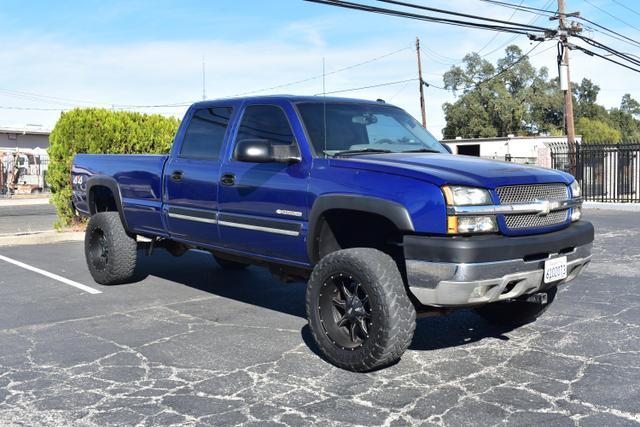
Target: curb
{"points": [[39, 238], [626, 207]]}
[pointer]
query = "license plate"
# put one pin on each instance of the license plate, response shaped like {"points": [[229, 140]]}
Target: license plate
{"points": [[555, 269]]}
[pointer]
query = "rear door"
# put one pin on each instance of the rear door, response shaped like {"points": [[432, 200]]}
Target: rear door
{"points": [[263, 205], [192, 174]]}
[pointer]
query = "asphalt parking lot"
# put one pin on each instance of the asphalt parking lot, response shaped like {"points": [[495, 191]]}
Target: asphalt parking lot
{"points": [[192, 344]]}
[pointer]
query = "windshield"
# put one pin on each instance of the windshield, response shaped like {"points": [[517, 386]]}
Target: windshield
{"points": [[364, 128]]}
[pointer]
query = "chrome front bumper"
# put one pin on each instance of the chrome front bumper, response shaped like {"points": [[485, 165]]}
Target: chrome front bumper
{"points": [[448, 284]]}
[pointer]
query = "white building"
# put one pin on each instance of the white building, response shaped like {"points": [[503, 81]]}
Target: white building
{"points": [[520, 149]]}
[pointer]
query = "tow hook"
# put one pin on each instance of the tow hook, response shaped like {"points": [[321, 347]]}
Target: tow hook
{"points": [[539, 298]]}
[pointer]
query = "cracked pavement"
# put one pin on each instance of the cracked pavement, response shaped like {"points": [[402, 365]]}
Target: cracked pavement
{"points": [[192, 344]]}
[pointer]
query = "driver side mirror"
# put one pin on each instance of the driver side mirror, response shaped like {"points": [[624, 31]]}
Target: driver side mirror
{"points": [[264, 151], [446, 147]]}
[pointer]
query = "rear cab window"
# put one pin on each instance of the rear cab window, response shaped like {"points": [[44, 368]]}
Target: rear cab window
{"points": [[204, 136]]}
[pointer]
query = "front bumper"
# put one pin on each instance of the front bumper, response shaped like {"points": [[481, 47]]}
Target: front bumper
{"points": [[468, 271]]}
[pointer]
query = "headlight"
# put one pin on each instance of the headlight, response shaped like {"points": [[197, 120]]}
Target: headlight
{"points": [[465, 196], [468, 196], [576, 191], [472, 224]]}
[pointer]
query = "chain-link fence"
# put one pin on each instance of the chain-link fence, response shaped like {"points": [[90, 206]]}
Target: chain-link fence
{"points": [[23, 172]]}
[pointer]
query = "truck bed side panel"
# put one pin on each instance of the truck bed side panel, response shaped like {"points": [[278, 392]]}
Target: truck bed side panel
{"points": [[139, 178]]}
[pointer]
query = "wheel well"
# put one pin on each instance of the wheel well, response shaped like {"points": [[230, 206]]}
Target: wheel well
{"points": [[344, 228], [102, 199]]}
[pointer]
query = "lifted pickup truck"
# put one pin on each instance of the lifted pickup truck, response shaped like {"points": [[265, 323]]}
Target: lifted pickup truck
{"points": [[354, 197]]}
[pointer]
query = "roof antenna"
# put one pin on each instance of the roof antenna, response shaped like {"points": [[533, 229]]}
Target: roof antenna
{"points": [[204, 96], [324, 108]]}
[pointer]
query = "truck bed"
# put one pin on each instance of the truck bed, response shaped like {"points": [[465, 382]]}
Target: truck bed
{"points": [[139, 179]]}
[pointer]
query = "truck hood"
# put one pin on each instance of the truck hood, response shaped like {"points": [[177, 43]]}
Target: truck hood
{"points": [[441, 169]]}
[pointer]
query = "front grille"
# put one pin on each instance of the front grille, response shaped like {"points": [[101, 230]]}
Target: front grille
{"points": [[516, 222], [514, 194]]}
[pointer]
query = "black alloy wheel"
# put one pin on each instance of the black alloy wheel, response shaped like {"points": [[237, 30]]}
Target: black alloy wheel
{"points": [[345, 311], [99, 250]]}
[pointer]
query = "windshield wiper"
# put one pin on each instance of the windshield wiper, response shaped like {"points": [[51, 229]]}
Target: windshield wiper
{"points": [[362, 151], [421, 150]]}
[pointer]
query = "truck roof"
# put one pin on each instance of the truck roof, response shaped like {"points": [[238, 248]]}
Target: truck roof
{"points": [[290, 98]]}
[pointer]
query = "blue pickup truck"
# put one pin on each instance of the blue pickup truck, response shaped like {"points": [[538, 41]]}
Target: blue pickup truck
{"points": [[352, 196]]}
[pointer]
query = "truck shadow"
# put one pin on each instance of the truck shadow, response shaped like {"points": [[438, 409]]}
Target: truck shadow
{"points": [[255, 286]]}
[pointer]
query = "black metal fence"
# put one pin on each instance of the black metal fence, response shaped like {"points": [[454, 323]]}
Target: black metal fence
{"points": [[606, 172]]}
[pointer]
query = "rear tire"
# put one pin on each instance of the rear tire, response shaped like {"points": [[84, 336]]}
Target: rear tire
{"points": [[230, 265], [359, 313], [517, 312], [110, 252]]}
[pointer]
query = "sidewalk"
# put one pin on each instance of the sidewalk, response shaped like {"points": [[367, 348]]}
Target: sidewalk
{"points": [[627, 207], [24, 201]]}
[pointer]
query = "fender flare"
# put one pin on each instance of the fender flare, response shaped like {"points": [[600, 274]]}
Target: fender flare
{"points": [[111, 184], [394, 212]]}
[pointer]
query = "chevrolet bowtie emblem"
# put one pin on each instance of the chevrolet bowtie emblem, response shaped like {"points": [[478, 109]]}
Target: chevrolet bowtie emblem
{"points": [[546, 207]]}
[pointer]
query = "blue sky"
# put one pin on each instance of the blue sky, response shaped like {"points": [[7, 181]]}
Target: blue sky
{"points": [[150, 52]]}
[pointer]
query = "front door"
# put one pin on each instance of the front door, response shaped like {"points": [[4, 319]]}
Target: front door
{"points": [[192, 175], [263, 205]]}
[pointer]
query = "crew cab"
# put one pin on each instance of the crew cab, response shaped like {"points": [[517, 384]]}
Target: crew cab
{"points": [[356, 198]]}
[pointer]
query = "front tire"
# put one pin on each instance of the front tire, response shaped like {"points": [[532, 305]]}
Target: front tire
{"points": [[110, 252], [515, 313], [359, 313]]}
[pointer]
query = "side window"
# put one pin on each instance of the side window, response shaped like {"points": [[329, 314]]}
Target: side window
{"points": [[205, 135], [265, 122]]}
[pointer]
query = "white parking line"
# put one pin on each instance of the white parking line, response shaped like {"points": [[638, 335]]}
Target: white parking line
{"points": [[51, 275]]}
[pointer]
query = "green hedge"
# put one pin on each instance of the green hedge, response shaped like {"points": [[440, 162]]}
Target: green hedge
{"points": [[99, 131]]}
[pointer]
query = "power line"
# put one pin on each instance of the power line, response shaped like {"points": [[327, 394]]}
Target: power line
{"points": [[592, 53], [510, 40], [497, 34], [71, 102], [541, 12], [628, 39], [626, 7], [506, 68], [620, 39], [513, 38], [308, 79], [453, 13], [368, 87], [612, 51], [5, 107], [612, 15], [516, 29]]}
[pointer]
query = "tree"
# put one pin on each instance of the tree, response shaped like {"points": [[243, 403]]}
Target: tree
{"points": [[630, 105], [594, 130], [98, 131], [513, 97], [493, 100], [585, 96]]}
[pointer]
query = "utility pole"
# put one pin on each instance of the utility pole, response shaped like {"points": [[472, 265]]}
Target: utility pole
{"points": [[564, 67], [421, 84]]}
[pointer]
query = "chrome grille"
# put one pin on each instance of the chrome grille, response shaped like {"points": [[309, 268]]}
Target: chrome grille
{"points": [[516, 222], [514, 194], [528, 193]]}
